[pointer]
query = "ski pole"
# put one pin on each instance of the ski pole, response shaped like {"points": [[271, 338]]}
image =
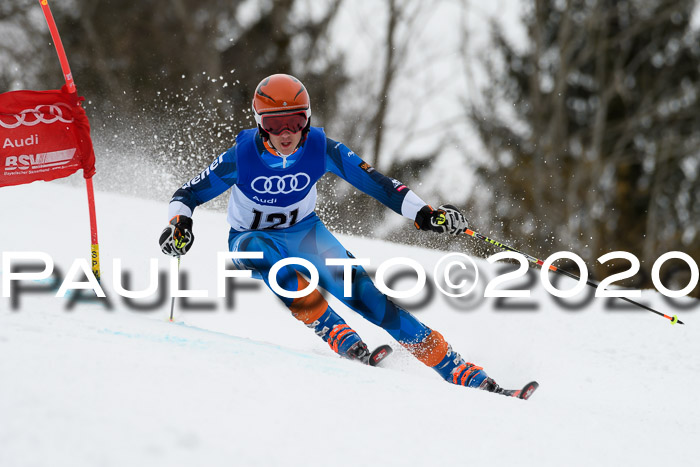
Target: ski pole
{"points": [[674, 319], [172, 300]]}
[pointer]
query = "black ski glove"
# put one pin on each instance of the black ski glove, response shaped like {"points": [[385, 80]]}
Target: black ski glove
{"points": [[446, 218], [177, 237]]}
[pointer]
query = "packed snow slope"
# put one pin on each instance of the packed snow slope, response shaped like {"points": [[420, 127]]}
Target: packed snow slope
{"points": [[243, 383]]}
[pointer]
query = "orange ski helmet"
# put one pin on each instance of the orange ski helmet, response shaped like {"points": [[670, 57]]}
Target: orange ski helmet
{"points": [[281, 102]]}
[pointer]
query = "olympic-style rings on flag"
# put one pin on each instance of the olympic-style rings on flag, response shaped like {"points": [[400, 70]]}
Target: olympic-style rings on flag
{"points": [[38, 114]]}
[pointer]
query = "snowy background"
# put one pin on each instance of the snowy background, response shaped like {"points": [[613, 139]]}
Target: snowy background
{"points": [[249, 385], [439, 74]]}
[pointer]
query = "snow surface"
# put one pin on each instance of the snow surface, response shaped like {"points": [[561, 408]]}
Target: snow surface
{"points": [[249, 385]]}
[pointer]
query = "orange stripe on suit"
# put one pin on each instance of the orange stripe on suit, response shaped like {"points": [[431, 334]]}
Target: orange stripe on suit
{"points": [[431, 351], [310, 308]]}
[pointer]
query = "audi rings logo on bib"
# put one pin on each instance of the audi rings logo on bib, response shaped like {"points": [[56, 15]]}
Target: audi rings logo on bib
{"points": [[281, 185]]}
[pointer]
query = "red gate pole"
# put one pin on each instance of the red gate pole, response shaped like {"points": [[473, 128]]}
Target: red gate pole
{"points": [[70, 84]]}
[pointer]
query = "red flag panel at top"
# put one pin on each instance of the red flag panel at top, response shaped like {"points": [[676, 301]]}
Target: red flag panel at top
{"points": [[44, 135]]}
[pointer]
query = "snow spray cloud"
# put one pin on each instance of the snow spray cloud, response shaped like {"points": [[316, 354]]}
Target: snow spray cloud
{"points": [[456, 276]]}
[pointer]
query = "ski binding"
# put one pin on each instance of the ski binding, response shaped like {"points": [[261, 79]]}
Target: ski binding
{"points": [[525, 393]]}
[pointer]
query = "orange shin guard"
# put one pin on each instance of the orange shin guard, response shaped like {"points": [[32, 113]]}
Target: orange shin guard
{"points": [[431, 350]]}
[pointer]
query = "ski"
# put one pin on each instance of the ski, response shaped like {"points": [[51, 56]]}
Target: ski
{"points": [[379, 354], [525, 393]]}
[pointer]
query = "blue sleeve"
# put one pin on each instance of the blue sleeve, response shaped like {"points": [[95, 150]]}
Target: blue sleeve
{"points": [[221, 175], [347, 165]]}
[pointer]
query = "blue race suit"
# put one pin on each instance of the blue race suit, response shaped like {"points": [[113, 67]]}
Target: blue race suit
{"points": [[271, 210]]}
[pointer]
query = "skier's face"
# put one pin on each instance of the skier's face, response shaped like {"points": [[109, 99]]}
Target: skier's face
{"points": [[286, 141]]}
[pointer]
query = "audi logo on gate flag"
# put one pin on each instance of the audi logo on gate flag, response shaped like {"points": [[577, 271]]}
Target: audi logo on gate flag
{"points": [[42, 113], [44, 135], [281, 185]]}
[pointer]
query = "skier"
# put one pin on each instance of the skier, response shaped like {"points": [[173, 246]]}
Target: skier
{"points": [[272, 170]]}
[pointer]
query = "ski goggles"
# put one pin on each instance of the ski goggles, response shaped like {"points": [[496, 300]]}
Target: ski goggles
{"points": [[277, 123]]}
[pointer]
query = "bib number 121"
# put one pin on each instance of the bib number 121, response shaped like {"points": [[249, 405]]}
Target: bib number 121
{"points": [[277, 220]]}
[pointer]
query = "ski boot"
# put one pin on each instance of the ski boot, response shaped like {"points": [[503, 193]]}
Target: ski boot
{"points": [[359, 351], [472, 376], [347, 343]]}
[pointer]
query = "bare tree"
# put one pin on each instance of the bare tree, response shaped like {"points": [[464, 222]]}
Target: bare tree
{"points": [[596, 156]]}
